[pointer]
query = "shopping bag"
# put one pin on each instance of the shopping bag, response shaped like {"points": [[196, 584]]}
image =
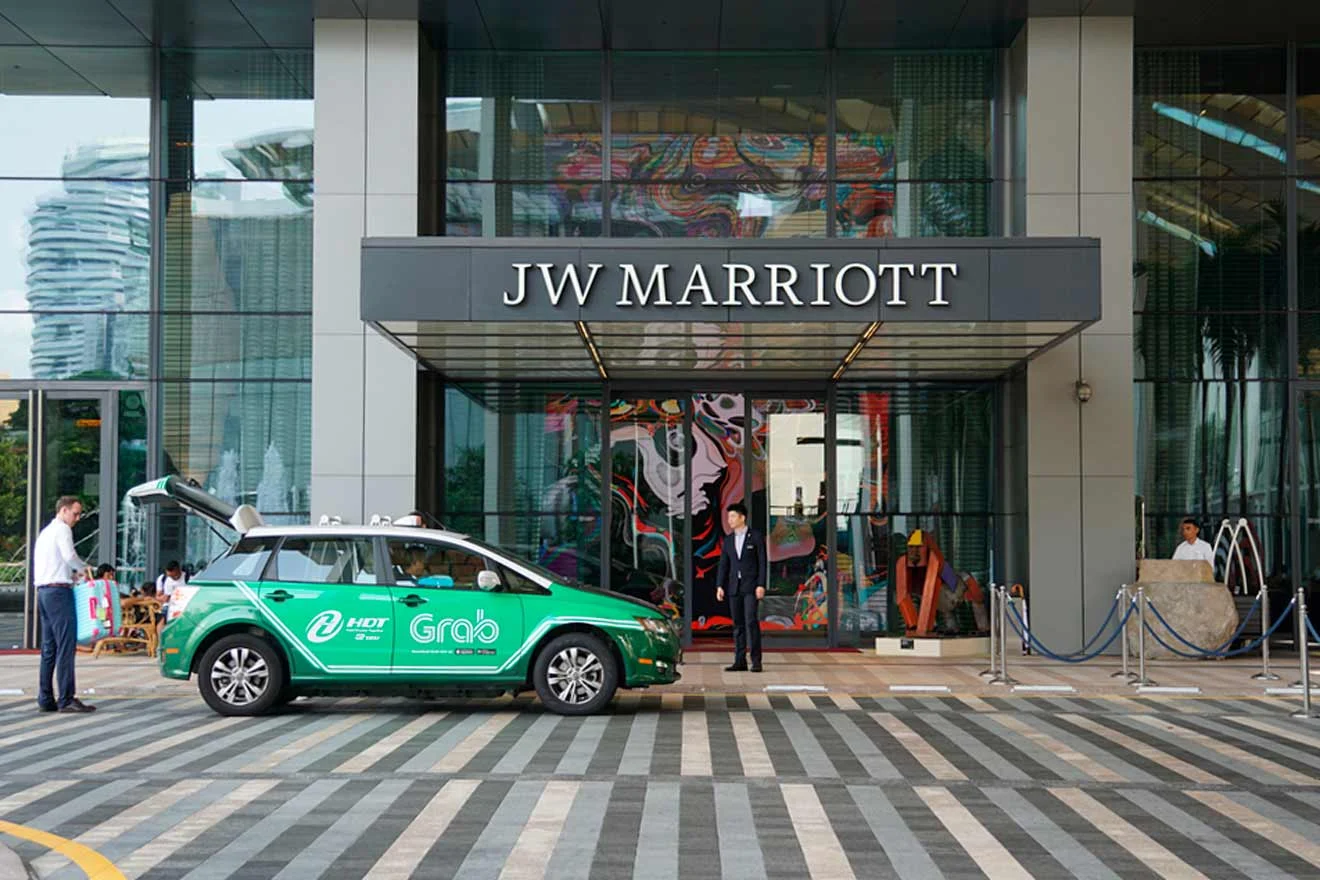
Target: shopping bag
{"points": [[96, 609]]}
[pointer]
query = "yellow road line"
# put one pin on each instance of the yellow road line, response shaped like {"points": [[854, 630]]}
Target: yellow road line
{"points": [[88, 860]]}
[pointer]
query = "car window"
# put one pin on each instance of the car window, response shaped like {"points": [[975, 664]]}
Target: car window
{"points": [[430, 564], [325, 561], [244, 561], [514, 582]]}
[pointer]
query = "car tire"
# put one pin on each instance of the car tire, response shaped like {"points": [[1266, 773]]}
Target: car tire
{"points": [[259, 687], [575, 674]]}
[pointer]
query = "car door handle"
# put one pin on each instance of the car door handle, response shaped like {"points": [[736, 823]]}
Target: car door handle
{"points": [[412, 600], [279, 595]]}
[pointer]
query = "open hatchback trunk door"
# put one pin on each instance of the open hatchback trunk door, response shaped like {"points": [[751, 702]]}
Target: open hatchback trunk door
{"points": [[174, 492]]}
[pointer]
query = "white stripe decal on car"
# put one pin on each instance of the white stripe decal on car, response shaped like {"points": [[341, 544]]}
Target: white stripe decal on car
{"points": [[528, 643]]}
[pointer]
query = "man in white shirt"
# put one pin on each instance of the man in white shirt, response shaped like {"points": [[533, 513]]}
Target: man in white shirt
{"points": [[167, 582], [1191, 546], [55, 565]]}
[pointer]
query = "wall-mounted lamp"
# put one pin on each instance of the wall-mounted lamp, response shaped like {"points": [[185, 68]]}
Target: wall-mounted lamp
{"points": [[1082, 391]]}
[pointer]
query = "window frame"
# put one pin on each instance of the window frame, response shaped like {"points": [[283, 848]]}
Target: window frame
{"points": [[272, 574], [491, 561], [272, 543]]}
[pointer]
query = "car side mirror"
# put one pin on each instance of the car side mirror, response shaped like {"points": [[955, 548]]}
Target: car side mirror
{"points": [[488, 580]]}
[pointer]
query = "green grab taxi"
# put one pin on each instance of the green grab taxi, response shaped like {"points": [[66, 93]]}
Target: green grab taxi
{"points": [[394, 609]]}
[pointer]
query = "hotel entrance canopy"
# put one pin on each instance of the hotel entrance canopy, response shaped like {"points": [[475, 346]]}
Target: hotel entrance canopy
{"points": [[677, 310]]}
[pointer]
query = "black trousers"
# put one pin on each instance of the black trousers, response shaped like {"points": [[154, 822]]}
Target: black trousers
{"points": [[745, 610]]}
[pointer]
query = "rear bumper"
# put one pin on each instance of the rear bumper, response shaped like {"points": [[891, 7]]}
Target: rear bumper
{"points": [[171, 656]]}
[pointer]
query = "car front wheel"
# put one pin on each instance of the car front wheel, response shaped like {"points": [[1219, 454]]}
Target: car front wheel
{"points": [[241, 675], [575, 674]]}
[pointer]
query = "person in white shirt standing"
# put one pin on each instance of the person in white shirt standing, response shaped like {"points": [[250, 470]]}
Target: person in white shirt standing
{"points": [[55, 564], [1191, 546]]}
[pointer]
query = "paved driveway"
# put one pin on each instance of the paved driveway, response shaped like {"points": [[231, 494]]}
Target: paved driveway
{"points": [[670, 786]]}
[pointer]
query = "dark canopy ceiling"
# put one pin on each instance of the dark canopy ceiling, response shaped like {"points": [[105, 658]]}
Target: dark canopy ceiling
{"points": [[627, 24]]}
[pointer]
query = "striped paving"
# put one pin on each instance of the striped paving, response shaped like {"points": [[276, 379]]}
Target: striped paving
{"points": [[763, 785]]}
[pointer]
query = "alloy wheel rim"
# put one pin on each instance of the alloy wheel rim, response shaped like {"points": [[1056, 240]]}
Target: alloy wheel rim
{"points": [[240, 676], [576, 676]]}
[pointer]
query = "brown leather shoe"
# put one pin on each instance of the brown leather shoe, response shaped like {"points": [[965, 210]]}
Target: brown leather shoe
{"points": [[76, 706]]}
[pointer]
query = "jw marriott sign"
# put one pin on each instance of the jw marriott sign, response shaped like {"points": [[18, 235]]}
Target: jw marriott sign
{"points": [[729, 285], [717, 280]]}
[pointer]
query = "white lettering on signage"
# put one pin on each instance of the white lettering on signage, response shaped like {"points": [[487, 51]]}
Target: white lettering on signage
{"points": [[697, 281], [896, 294], [521, 269], [569, 276], [745, 285], [632, 282], [425, 628], [820, 269], [940, 269], [870, 285], [785, 285], [739, 279]]}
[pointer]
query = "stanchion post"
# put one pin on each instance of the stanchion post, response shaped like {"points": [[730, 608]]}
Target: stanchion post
{"points": [[1141, 678], [1304, 654], [1124, 596], [1003, 677], [990, 671], [1265, 674]]}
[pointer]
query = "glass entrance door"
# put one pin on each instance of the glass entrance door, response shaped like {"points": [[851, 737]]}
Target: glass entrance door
{"points": [[91, 444], [72, 462], [789, 507], [677, 463], [14, 460]]}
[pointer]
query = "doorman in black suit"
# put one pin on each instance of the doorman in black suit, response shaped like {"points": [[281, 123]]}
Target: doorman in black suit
{"points": [[742, 576]]}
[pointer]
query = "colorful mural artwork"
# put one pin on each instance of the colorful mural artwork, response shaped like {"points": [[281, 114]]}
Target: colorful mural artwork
{"points": [[648, 500], [665, 481], [734, 186], [718, 437]]}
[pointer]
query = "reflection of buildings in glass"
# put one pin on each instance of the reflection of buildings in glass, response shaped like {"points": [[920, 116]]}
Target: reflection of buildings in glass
{"points": [[242, 249], [88, 263]]}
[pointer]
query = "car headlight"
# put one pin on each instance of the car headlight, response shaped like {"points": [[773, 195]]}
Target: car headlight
{"points": [[655, 626]]}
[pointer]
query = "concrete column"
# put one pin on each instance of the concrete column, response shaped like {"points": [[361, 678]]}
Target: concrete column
{"points": [[1080, 484], [364, 390]]}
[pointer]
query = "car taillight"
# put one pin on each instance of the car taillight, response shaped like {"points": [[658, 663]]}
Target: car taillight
{"points": [[179, 601]]}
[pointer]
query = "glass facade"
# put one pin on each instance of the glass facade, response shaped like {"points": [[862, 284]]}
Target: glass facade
{"points": [[1226, 218], [236, 292], [170, 267], [625, 485], [523, 467], [730, 144]]}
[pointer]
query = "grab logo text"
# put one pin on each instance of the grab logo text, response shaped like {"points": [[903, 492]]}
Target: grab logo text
{"points": [[459, 630]]}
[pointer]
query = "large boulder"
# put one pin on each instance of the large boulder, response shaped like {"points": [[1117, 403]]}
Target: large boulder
{"points": [[1175, 571], [1202, 613]]}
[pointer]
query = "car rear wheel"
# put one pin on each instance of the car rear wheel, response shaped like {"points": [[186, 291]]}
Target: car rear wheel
{"points": [[575, 674], [241, 675]]}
